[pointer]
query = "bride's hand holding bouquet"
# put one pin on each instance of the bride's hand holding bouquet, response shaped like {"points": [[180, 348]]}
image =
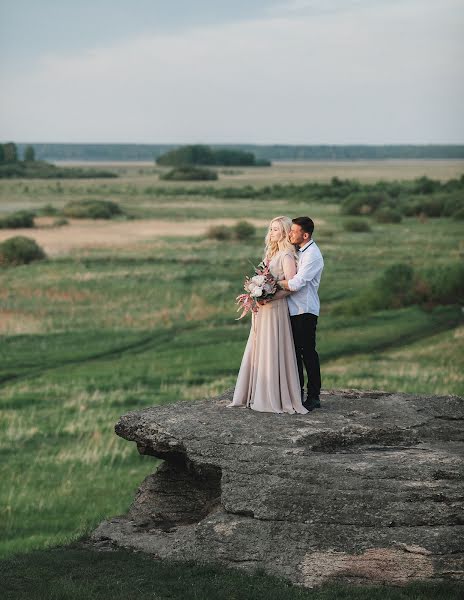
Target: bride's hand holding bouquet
{"points": [[259, 290]]}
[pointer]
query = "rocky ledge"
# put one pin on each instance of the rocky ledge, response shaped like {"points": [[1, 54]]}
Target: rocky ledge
{"points": [[367, 489]]}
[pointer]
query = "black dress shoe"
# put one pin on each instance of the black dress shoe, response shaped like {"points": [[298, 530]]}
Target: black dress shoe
{"points": [[313, 403], [308, 406]]}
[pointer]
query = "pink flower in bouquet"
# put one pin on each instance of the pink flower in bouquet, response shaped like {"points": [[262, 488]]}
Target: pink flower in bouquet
{"points": [[260, 288]]}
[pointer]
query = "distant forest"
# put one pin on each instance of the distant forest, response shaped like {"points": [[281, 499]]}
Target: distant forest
{"points": [[146, 152]]}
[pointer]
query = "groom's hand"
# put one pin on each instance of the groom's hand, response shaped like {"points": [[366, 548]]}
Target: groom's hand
{"points": [[283, 284]]}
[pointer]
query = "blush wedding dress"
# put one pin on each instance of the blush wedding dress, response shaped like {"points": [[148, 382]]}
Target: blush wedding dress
{"points": [[268, 378]]}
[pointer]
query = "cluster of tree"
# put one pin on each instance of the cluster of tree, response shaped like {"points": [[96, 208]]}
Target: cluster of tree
{"points": [[199, 154], [30, 168], [9, 153], [137, 152], [189, 174]]}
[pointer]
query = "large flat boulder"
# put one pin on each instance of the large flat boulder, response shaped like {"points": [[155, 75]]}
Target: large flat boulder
{"points": [[367, 489]]}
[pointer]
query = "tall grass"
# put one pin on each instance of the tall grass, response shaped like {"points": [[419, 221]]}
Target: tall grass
{"points": [[87, 337]]}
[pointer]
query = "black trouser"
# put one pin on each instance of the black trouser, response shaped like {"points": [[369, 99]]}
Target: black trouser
{"points": [[304, 338]]}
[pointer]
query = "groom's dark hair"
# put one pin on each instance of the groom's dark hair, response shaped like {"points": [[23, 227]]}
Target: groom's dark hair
{"points": [[305, 223]]}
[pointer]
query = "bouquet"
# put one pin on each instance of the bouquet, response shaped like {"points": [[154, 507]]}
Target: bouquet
{"points": [[260, 288]]}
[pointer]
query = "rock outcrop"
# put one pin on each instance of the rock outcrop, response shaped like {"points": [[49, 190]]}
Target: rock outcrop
{"points": [[367, 489]]}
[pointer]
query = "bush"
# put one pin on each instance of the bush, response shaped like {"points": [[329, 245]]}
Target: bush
{"points": [[424, 185], [453, 203], [400, 286], [243, 230], [16, 220], [190, 174], [353, 204], [48, 210], [219, 232], [433, 206], [20, 250], [361, 203], [92, 209], [41, 170], [445, 284], [388, 215], [60, 221], [356, 225]]}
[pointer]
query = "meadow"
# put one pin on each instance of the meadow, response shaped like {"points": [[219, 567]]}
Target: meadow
{"points": [[140, 311]]}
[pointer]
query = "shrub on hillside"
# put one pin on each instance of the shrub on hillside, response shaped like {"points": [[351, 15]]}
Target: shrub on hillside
{"points": [[395, 286], [60, 221], [454, 202], [424, 185], [17, 220], [48, 210], [91, 209], [388, 215], [363, 203], [356, 225], [20, 250], [190, 174], [431, 206], [219, 232], [243, 230], [401, 286], [445, 284]]}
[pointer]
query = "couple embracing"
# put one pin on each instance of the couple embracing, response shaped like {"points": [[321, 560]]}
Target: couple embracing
{"points": [[282, 340]]}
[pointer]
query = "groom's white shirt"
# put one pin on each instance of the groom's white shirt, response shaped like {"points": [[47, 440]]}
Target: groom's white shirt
{"points": [[304, 286]]}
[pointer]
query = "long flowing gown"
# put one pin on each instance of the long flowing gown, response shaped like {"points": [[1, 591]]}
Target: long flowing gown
{"points": [[268, 378]]}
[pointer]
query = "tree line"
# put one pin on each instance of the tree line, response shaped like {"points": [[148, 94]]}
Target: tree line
{"points": [[149, 152]]}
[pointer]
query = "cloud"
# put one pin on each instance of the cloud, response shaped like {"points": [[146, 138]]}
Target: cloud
{"points": [[315, 7], [364, 76]]}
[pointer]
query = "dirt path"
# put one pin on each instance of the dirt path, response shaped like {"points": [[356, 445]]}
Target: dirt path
{"points": [[89, 233]]}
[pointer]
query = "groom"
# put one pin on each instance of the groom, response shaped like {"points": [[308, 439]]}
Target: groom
{"points": [[303, 305]]}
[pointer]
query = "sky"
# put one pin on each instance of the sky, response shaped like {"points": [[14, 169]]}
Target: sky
{"points": [[214, 71]]}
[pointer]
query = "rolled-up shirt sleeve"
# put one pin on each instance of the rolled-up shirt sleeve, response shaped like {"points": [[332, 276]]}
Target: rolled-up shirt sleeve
{"points": [[306, 273]]}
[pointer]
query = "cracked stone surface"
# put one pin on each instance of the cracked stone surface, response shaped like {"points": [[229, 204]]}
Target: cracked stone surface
{"points": [[367, 489]]}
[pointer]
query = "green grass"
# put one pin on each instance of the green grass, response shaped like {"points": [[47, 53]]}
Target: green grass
{"points": [[81, 574], [88, 336]]}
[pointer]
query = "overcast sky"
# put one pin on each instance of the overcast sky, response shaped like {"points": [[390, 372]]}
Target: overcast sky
{"points": [[212, 71]]}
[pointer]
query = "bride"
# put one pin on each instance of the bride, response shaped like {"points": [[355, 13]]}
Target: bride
{"points": [[268, 378]]}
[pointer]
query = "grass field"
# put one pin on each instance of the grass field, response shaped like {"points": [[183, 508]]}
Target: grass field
{"points": [[132, 313]]}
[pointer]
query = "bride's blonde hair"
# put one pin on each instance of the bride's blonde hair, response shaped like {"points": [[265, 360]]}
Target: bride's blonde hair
{"points": [[271, 248]]}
